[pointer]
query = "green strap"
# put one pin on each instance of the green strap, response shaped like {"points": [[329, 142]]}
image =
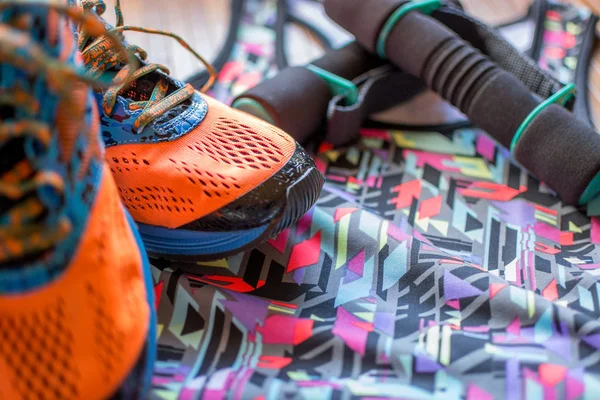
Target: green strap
{"points": [[425, 6], [561, 97], [591, 191], [253, 107], [337, 84]]}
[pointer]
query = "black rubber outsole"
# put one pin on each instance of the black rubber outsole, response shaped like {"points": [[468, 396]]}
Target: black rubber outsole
{"points": [[300, 197]]}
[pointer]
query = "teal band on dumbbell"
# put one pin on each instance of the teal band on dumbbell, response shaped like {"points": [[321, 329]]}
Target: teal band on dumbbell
{"points": [[297, 98], [560, 150]]}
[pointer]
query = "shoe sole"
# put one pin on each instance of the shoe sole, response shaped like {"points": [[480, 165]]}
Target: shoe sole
{"points": [[180, 245]]}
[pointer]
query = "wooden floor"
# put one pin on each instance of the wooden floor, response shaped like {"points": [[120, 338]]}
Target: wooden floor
{"points": [[203, 23], [497, 12]]}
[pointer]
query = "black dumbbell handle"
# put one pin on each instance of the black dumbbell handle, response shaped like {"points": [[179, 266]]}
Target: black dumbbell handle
{"points": [[559, 149]]}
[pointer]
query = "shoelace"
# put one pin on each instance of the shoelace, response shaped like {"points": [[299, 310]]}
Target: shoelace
{"points": [[20, 232], [100, 56]]}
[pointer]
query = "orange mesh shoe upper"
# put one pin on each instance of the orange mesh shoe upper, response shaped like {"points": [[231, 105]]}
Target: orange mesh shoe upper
{"points": [[79, 336], [74, 312], [172, 183]]}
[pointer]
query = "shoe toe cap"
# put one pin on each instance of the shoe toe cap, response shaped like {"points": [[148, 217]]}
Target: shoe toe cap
{"points": [[280, 200]]}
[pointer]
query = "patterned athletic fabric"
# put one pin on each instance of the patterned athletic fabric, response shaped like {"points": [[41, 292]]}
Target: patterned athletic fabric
{"points": [[252, 58], [564, 26], [433, 266]]}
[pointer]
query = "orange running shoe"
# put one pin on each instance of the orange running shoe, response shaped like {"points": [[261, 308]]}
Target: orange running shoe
{"points": [[76, 319], [202, 180]]}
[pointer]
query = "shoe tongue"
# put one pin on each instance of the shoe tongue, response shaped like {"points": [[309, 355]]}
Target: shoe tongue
{"points": [[141, 89]]}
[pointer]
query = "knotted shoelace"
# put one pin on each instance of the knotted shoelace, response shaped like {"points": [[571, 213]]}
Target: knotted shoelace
{"points": [[100, 56]]}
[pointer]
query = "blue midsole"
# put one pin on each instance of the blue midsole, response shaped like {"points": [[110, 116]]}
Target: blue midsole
{"points": [[149, 284], [161, 240]]}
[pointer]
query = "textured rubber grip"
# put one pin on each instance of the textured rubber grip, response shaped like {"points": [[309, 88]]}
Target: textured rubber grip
{"points": [[425, 48], [492, 98], [562, 151], [349, 61], [498, 102], [296, 99], [363, 18]]}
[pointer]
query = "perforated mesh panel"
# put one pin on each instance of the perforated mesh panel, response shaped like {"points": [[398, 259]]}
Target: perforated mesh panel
{"points": [[172, 183], [80, 337], [38, 347], [109, 341], [120, 164], [213, 184], [156, 197], [159, 198], [162, 197], [234, 143]]}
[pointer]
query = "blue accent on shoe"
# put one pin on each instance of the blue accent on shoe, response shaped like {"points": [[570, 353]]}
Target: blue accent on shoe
{"points": [[160, 240], [79, 196], [151, 342], [79, 192], [118, 128]]}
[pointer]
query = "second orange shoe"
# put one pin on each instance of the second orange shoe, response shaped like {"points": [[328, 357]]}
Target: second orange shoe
{"points": [[77, 313], [201, 180]]}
